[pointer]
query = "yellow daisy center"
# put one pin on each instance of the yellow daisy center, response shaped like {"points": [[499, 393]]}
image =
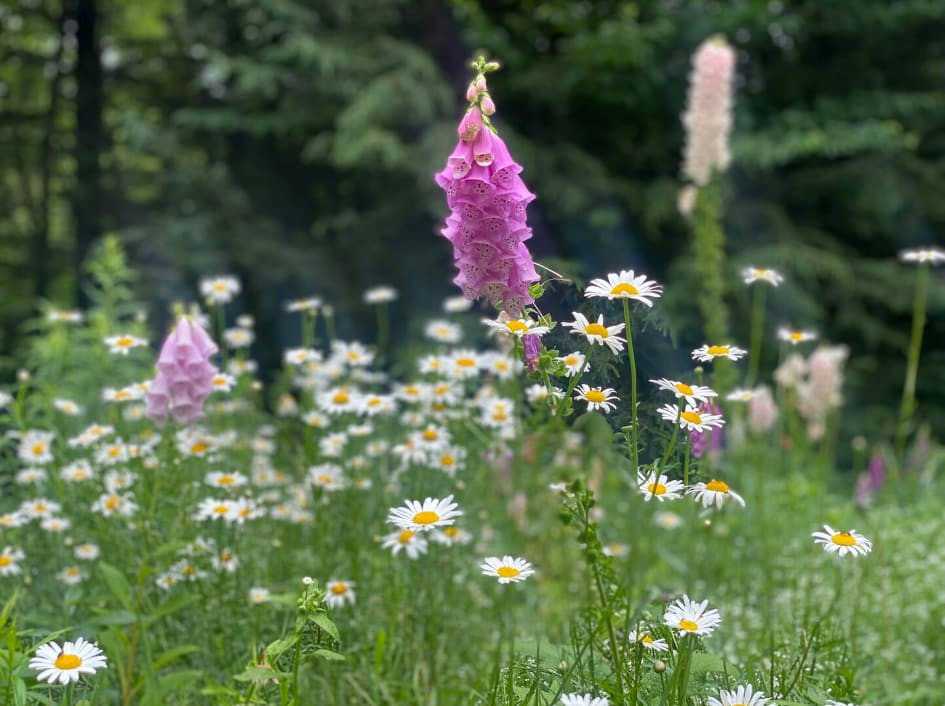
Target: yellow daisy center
{"points": [[431, 435], [718, 350], [691, 417], [596, 330], [647, 639], [516, 326], [219, 287], [406, 536], [717, 486], [125, 342], [112, 502], [199, 447], [571, 360], [5, 560], [465, 362], [500, 416], [374, 401], [844, 539], [624, 289], [595, 396], [441, 389], [657, 488], [221, 509], [796, 335], [325, 479], [339, 588], [341, 397], [226, 479], [447, 460], [451, 532], [39, 448], [683, 389], [67, 661], [427, 517], [688, 625], [507, 572]]}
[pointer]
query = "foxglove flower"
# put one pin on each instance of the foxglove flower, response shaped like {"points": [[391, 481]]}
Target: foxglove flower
{"points": [[184, 374], [708, 116], [487, 221], [871, 481], [531, 349], [710, 440]]}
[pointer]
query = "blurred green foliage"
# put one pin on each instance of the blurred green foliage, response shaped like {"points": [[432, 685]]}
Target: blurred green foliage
{"points": [[292, 142]]}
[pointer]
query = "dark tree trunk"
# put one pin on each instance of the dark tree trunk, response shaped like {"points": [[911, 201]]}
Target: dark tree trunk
{"points": [[89, 134], [39, 247]]}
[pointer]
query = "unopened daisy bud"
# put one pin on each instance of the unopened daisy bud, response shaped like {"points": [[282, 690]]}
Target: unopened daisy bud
{"points": [[23, 375], [307, 580], [486, 104], [659, 666]]}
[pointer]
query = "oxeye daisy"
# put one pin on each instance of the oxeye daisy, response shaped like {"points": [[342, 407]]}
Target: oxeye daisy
{"points": [[443, 331], [625, 285], [408, 541], [124, 343], [338, 593], [10, 558], [707, 353], [750, 275], [327, 477], [219, 290], [381, 294], [744, 695], [574, 363], [583, 700], [464, 364], [516, 327], [843, 542], [933, 256], [87, 551], [659, 487], [340, 400], [715, 492], [219, 479], [508, 569], [67, 663], [308, 304], [67, 407], [795, 336], [451, 535], [690, 618], [741, 395], [648, 641], [421, 517], [691, 418], [596, 397], [223, 382], [693, 394], [596, 332], [71, 575], [259, 595]]}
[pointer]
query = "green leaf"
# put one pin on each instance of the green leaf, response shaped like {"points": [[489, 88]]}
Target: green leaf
{"points": [[329, 655], [172, 655], [324, 622], [117, 584]]}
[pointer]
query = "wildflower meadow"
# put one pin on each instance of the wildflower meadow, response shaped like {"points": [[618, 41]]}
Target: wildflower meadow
{"points": [[543, 489]]}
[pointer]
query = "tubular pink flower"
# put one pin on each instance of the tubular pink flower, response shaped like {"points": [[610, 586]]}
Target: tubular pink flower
{"points": [[708, 116], [487, 222], [184, 374]]}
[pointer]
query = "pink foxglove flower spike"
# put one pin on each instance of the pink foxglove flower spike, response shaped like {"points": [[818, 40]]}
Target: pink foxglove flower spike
{"points": [[487, 199], [184, 374]]}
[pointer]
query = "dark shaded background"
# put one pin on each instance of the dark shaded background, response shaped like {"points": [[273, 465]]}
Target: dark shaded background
{"points": [[292, 143]]}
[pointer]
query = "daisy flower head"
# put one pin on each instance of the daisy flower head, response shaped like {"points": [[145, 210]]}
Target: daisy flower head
{"points": [[648, 641], [583, 700], [67, 663], [464, 364], [516, 327], [596, 397], [339, 593], [259, 595], [691, 418], [625, 285], [340, 400], [574, 363], [795, 336], [407, 541], [220, 289], [744, 695], [750, 275], [932, 256], [741, 395], [508, 569], [36, 446], [456, 305], [443, 331], [87, 551], [71, 575], [451, 536], [225, 479], [309, 304], [123, 343], [693, 394], [659, 486], [380, 295], [596, 332], [223, 382], [715, 492], [67, 407], [422, 517], [843, 542], [10, 558], [239, 337], [688, 617], [707, 353]]}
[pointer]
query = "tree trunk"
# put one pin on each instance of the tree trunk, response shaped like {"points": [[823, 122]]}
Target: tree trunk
{"points": [[89, 134]]}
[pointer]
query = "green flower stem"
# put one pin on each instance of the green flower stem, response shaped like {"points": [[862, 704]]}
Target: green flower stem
{"points": [[907, 407], [757, 331], [686, 466], [671, 446], [575, 379], [632, 362]]}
